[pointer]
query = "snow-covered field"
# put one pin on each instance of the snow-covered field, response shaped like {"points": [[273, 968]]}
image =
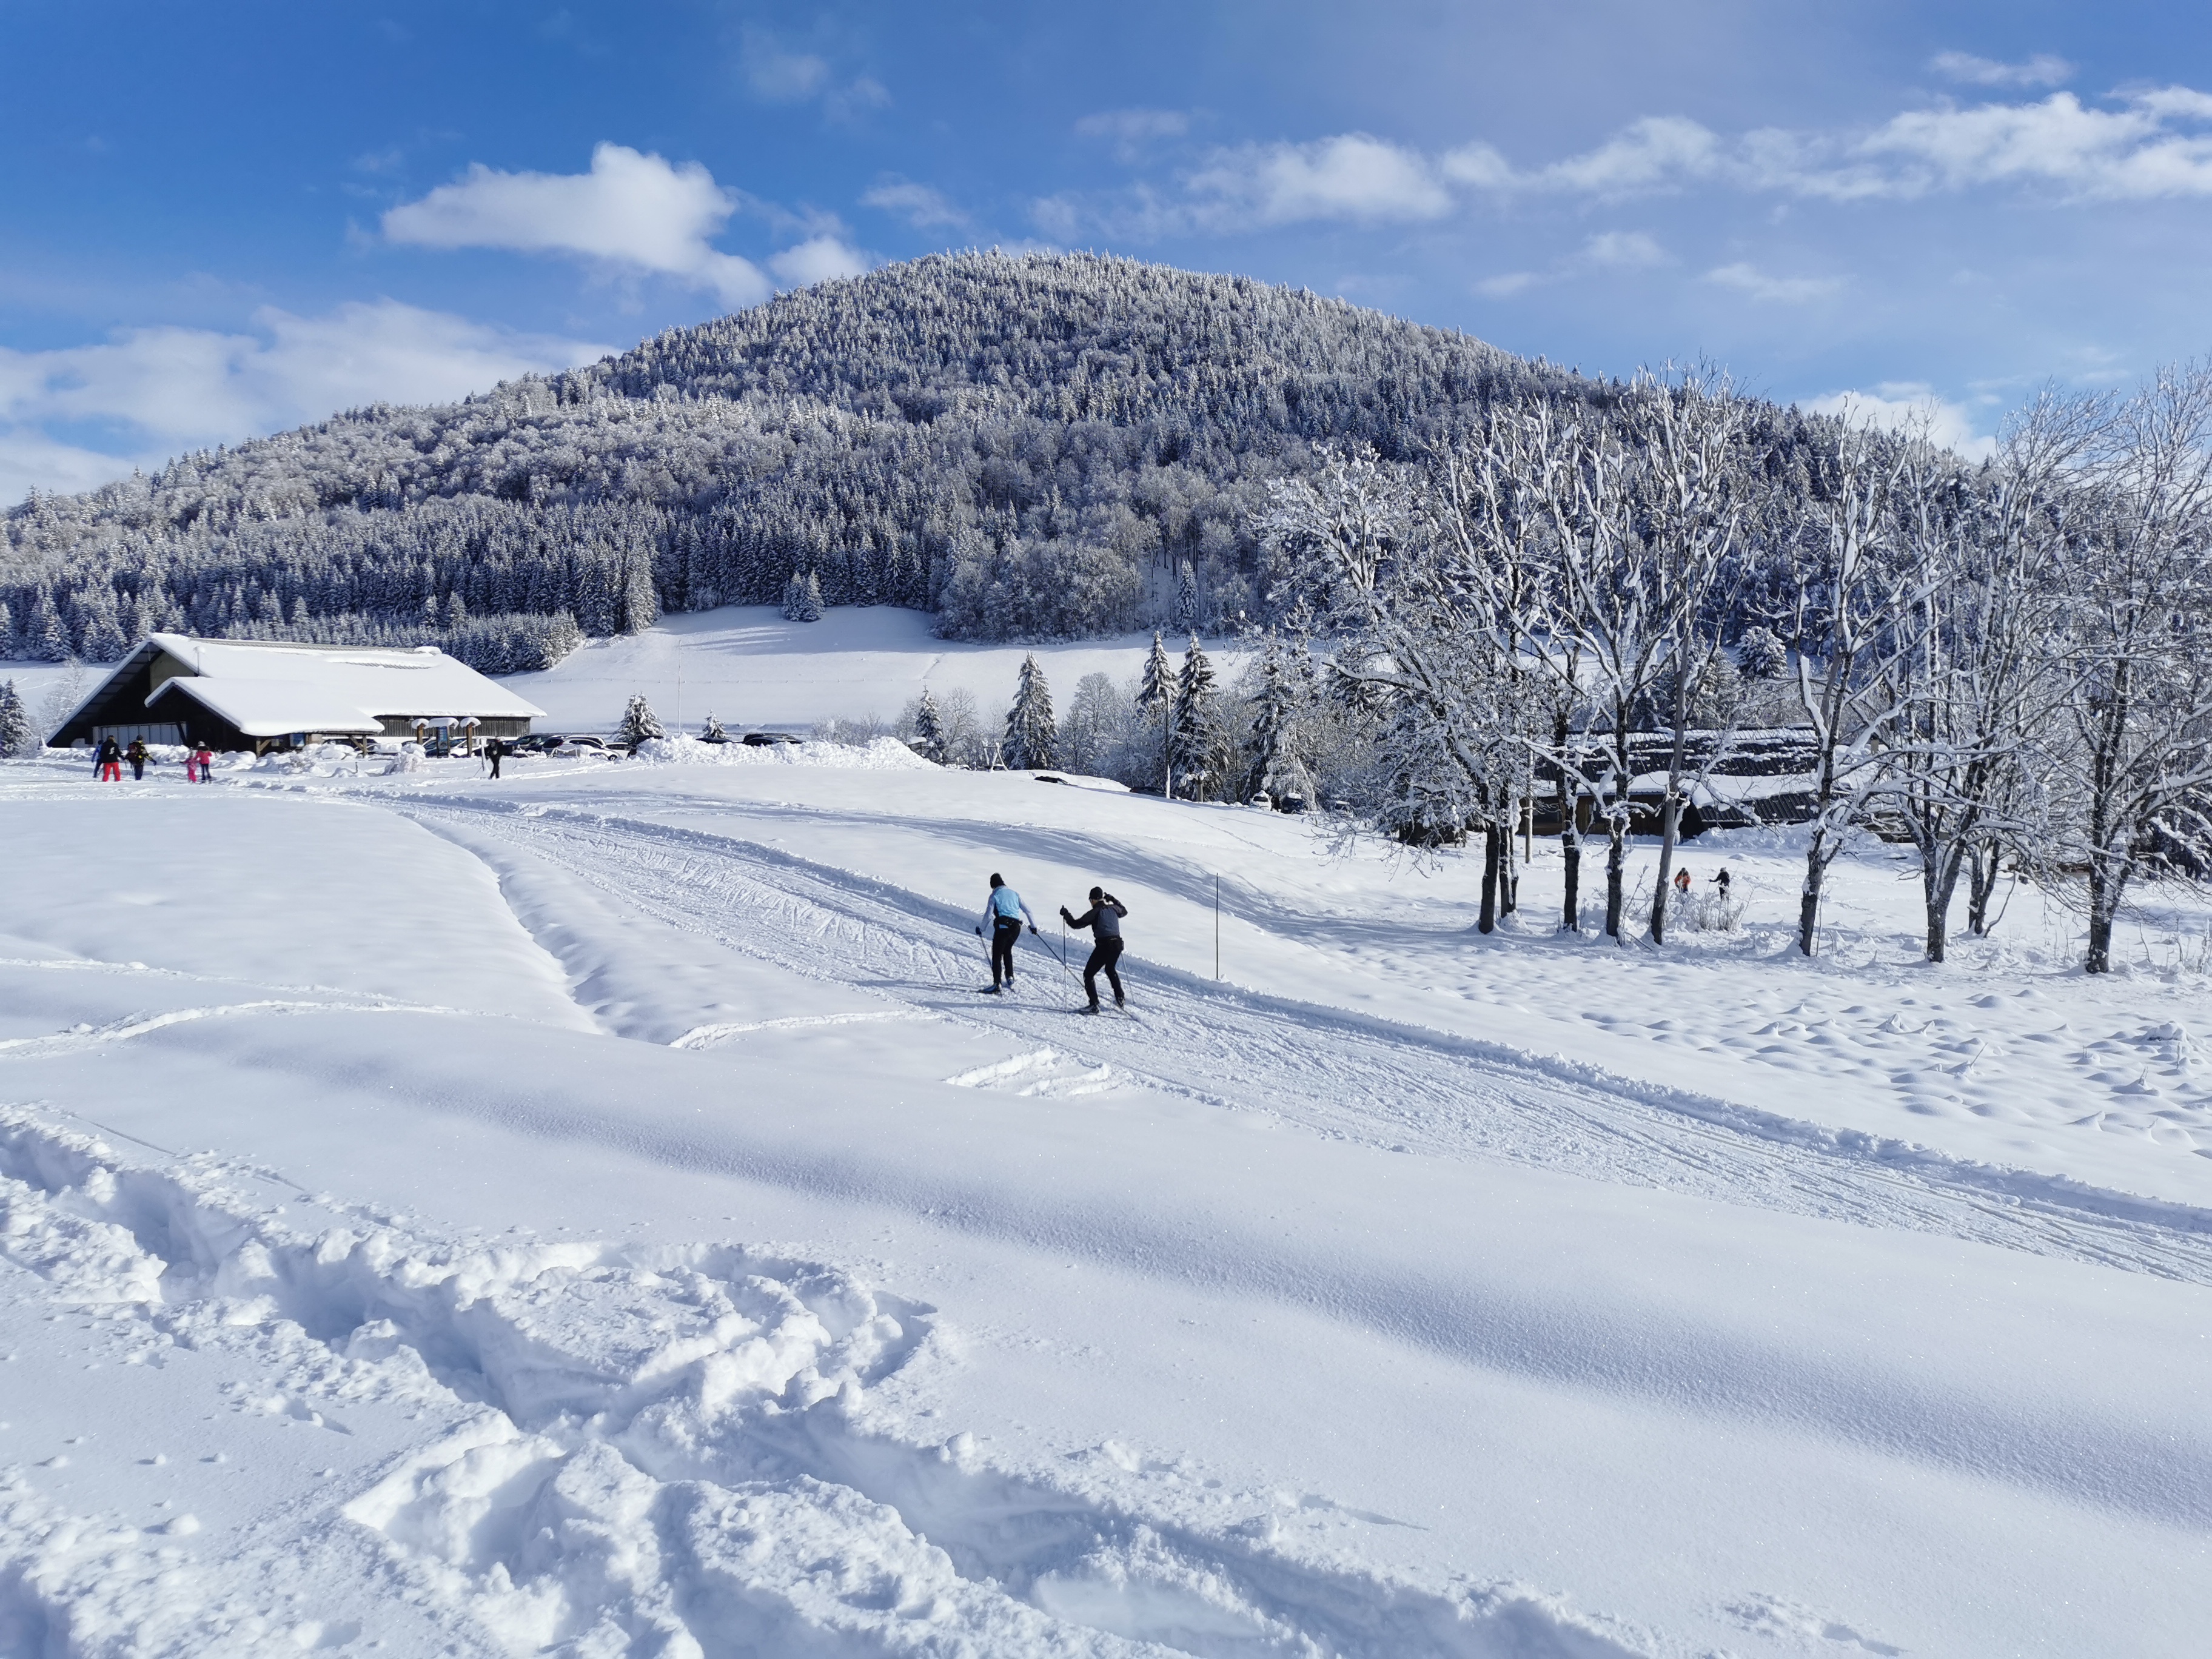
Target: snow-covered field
{"points": [[749, 668], [595, 1214]]}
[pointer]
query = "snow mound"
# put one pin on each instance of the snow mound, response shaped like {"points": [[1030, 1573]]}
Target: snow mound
{"points": [[628, 1449], [883, 755]]}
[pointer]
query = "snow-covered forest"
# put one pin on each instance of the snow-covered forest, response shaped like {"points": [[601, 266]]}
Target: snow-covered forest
{"points": [[1589, 614], [1027, 446]]}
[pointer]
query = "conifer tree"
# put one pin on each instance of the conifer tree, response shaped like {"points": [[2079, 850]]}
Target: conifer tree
{"points": [[1280, 771], [793, 591], [1186, 610], [1156, 696], [639, 723], [929, 729], [1032, 739], [1195, 737], [16, 736], [712, 731], [810, 598]]}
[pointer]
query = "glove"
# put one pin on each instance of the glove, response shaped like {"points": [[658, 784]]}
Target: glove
{"points": [[1033, 931]]}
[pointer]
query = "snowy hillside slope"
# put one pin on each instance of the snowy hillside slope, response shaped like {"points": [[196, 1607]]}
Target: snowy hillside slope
{"points": [[595, 1214], [750, 668]]}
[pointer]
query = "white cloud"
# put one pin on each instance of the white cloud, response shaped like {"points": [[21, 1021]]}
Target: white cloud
{"points": [[2041, 70], [1628, 249], [1132, 130], [817, 260], [630, 211], [2133, 152], [776, 74], [918, 204], [779, 77], [1351, 176], [2137, 146], [164, 390], [1505, 286], [1788, 290], [1902, 405]]}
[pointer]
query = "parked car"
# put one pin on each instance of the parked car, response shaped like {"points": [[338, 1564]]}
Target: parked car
{"points": [[539, 743], [762, 739]]}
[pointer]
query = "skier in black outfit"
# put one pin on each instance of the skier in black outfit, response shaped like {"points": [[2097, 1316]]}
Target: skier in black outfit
{"points": [[492, 753], [1103, 919], [1002, 913]]}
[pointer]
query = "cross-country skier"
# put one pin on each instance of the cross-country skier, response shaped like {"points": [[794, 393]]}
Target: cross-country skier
{"points": [[1103, 919], [1002, 914]]}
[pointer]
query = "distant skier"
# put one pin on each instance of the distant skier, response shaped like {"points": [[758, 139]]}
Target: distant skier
{"points": [[109, 765], [1682, 881], [1721, 881], [1002, 914], [137, 758], [493, 751], [1103, 918], [205, 757]]}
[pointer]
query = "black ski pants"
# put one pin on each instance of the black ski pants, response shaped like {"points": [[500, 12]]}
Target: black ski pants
{"points": [[1004, 932], [1104, 955]]}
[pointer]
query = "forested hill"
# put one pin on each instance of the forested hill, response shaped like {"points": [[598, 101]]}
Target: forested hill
{"points": [[1025, 445]]}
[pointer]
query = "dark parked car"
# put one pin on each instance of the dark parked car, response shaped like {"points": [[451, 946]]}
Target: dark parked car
{"points": [[762, 739], [539, 743]]}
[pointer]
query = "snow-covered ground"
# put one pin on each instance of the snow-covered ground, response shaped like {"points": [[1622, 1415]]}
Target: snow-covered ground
{"points": [[596, 1214], [748, 667]]}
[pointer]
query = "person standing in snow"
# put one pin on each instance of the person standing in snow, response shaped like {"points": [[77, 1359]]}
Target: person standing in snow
{"points": [[205, 757], [493, 751], [136, 756], [1103, 919], [1721, 881], [109, 765], [1002, 914]]}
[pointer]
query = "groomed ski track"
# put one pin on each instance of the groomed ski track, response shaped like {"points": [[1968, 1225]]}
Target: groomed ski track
{"points": [[1330, 1071]]}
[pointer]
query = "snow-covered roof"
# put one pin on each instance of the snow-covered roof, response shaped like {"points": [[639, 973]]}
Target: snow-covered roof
{"points": [[370, 680], [270, 708]]}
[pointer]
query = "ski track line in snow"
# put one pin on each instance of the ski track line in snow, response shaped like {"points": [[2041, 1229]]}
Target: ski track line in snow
{"points": [[707, 1037], [137, 1025], [636, 1450], [1342, 1073]]}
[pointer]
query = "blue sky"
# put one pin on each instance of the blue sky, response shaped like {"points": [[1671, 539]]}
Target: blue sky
{"points": [[224, 221]]}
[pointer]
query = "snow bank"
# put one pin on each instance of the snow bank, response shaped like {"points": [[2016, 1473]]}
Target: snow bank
{"points": [[883, 755]]}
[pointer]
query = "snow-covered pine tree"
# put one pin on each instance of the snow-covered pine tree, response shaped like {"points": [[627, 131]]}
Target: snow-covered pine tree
{"points": [[1280, 770], [928, 729], [16, 738], [1761, 655], [1032, 739], [793, 591], [712, 731], [1156, 697], [7, 646], [1196, 735], [639, 723], [810, 598], [1186, 610]]}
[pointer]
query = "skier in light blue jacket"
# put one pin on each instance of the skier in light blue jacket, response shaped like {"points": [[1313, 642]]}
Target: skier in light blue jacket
{"points": [[1002, 914]]}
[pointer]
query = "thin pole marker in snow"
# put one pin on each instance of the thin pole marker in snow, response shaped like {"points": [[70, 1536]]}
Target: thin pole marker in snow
{"points": [[1216, 928]]}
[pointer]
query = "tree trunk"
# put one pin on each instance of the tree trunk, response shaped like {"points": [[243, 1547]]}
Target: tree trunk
{"points": [[1570, 838], [1616, 863], [1490, 859], [1508, 864], [1808, 902], [2103, 906], [1571, 862], [1981, 882], [1670, 813]]}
